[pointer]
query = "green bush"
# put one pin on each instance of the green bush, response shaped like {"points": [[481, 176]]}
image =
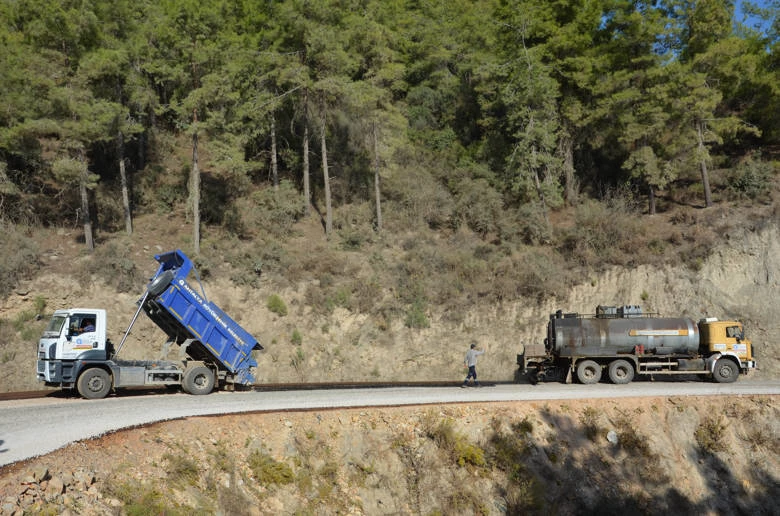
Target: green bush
{"points": [[415, 316], [276, 305], [751, 179], [266, 470]]}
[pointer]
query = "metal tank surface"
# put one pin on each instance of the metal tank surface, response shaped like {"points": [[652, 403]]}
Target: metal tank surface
{"points": [[621, 330]]}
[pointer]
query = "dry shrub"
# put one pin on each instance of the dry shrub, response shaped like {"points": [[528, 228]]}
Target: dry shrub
{"points": [[415, 198], [479, 206], [18, 256], [603, 233], [710, 435], [113, 264], [270, 210]]}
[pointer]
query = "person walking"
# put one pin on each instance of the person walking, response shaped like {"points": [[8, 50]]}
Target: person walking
{"points": [[471, 362]]}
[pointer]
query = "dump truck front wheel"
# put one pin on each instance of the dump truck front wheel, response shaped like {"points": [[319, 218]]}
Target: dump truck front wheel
{"points": [[198, 380], [94, 384]]}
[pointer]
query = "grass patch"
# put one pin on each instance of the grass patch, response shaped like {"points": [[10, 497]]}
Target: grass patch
{"points": [[630, 438], [455, 444], [182, 470], [276, 305], [141, 499], [266, 470], [589, 419], [710, 435]]}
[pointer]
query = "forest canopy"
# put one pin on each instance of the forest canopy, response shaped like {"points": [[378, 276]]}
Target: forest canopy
{"points": [[466, 109]]}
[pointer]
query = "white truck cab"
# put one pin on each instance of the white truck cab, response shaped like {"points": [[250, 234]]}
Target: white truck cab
{"points": [[71, 335]]}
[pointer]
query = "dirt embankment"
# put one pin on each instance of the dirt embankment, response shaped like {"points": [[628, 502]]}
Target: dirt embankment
{"points": [[685, 455], [740, 280]]}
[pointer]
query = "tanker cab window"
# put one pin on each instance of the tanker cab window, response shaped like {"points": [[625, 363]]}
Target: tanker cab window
{"points": [[734, 332]]}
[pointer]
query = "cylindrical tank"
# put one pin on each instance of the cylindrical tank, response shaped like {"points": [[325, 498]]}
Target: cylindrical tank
{"points": [[571, 334]]}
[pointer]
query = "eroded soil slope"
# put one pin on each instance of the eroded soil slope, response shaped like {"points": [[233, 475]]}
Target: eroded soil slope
{"points": [[685, 455]]}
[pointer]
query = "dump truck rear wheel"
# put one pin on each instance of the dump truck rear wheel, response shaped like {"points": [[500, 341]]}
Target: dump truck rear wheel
{"points": [[198, 380], [588, 372], [621, 372], [726, 371], [160, 283], [94, 384]]}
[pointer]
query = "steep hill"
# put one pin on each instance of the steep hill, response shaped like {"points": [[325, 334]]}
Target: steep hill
{"points": [[738, 279]]}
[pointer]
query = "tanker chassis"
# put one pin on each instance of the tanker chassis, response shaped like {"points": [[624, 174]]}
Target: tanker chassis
{"points": [[624, 342]]}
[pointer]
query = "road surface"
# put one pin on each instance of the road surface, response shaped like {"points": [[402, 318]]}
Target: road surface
{"points": [[29, 428]]}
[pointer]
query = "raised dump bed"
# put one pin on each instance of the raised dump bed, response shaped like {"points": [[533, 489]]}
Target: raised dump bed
{"points": [[206, 332]]}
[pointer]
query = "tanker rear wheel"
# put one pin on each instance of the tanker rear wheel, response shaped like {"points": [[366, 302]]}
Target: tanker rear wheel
{"points": [[588, 372], [621, 372]]}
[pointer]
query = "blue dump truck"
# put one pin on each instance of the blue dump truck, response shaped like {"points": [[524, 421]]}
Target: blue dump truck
{"points": [[215, 351]]}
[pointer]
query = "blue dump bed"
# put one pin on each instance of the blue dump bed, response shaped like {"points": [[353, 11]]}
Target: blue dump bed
{"points": [[185, 315]]}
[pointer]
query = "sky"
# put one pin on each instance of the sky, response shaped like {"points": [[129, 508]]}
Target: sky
{"points": [[764, 4]]}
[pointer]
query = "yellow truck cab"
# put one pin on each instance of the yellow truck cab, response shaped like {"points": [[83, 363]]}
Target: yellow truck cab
{"points": [[728, 339]]}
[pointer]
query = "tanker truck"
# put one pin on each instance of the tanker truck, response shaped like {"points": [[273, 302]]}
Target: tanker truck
{"points": [[624, 342], [214, 351]]}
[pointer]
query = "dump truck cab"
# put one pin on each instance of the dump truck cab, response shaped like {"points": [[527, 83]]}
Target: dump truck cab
{"points": [[72, 335]]}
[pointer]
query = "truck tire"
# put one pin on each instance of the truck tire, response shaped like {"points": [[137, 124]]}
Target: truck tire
{"points": [[726, 371], [621, 372], [94, 383], [588, 372], [198, 380], [160, 283]]}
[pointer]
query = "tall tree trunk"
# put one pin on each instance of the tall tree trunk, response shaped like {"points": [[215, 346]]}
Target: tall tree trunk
{"points": [[376, 183], [652, 199], [195, 187], [538, 185], [86, 216], [120, 152], [566, 151], [306, 187], [274, 161], [705, 177], [326, 181]]}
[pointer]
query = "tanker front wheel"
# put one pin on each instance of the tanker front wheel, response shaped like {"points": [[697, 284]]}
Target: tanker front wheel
{"points": [[198, 380], [588, 372], [726, 371], [94, 384], [621, 372]]}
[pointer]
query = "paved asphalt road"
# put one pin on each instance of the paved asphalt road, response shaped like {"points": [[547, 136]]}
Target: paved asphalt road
{"points": [[29, 428]]}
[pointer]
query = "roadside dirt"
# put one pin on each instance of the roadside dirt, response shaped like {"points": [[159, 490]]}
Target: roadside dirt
{"points": [[686, 455]]}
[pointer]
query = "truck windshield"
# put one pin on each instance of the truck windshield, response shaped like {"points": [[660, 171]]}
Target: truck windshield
{"points": [[55, 325]]}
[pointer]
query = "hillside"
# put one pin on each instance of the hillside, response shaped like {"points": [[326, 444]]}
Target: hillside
{"points": [[676, 455], [739, 279]]}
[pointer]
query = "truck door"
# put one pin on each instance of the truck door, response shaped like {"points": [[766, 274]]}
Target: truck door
{"points": [[85, 332]]}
